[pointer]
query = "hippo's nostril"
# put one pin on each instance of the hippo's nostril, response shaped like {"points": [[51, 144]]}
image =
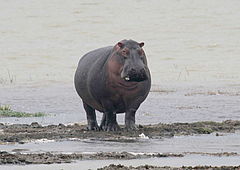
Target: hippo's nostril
{"points": [[133, 71]]}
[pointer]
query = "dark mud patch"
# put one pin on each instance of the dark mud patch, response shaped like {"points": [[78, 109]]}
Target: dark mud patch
{"points": [[50, 158], [214, 154], [23, 132], [149, 167]]}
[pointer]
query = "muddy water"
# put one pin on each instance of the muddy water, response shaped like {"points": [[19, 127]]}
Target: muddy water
{"points": [[194, 160], [178, 103], [193, 51], [178, 144], [42, 41], [197, 150]]}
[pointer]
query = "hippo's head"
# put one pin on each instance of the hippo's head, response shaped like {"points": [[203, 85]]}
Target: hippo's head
{"points": [[133, 60]]}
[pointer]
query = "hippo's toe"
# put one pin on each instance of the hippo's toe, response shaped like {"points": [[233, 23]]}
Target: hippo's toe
{"points": [[131, 127], [93, 126], [112, 127]]}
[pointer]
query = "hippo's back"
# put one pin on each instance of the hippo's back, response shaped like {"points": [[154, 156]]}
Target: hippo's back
{"points": [[96, 55]]}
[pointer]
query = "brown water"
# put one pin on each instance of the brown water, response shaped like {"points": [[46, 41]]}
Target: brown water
{"points": [[186, 40]]}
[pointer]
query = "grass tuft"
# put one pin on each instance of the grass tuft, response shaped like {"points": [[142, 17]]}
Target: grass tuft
{"points": [[6, 111]]}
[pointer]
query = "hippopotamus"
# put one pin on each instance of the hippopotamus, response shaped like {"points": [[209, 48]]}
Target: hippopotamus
{"points": [[112, 80]]}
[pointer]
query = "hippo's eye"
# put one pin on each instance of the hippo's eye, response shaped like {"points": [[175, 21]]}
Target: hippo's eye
{"points": [[125, 53], [140, 52]]}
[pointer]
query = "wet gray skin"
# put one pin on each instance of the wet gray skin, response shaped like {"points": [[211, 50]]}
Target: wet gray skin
{"points": [[113, 80]]}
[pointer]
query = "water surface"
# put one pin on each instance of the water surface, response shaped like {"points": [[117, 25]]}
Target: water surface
{"points": [[185, 40]]}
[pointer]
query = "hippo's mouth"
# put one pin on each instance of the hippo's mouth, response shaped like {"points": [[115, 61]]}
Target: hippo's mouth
{"points": [[135, 78], [127, 84]]}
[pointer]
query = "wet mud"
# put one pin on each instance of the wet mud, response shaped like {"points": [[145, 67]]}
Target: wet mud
{"points": [[22, 133], [50, 158], [149, 167], [214, 154]]}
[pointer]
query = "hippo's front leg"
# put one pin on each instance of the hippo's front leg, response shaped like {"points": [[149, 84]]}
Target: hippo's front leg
{"points": [[110, 122], [130, 119], [91, 117]]}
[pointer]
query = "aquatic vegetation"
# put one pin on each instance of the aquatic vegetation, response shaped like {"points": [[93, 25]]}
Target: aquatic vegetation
{"points": [[9, 78], [6, 111], [5, 108]]}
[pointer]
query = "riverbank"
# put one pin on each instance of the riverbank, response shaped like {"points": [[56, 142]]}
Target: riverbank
{"points": [[22, 133]]}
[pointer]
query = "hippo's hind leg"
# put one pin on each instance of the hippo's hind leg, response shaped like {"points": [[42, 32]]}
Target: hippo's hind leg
{"points": [[91, 117], [110, 122]]}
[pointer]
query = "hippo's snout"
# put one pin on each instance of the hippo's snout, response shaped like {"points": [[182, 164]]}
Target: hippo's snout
{"points": [[136, 75]]}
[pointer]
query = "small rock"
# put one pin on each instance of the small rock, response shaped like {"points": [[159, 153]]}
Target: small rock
{"points": [[35, 125]]}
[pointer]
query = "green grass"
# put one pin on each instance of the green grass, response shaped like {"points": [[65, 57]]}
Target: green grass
{"points": [[6, 111]]}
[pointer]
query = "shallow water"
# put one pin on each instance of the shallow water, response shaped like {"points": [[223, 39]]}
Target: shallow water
{"points": [[191, 160], [178, 144], [182, 103]]}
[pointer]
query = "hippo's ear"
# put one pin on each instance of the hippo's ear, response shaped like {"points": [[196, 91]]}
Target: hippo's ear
{"points": [[141, 44], [120, 44]]}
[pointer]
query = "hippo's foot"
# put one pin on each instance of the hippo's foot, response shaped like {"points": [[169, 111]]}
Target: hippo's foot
{"points": [[93, 126], [103, 126], [130, 126], [109, 122], [113, 126]]}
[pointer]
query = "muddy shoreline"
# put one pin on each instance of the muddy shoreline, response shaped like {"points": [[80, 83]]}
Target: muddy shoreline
{"points": [[149, 167], [51, 158], [18, 158], [22, 133]]}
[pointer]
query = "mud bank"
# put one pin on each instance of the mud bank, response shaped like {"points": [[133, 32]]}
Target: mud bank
{"points": [[149, 167], [22, 133], [50, 158]]}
